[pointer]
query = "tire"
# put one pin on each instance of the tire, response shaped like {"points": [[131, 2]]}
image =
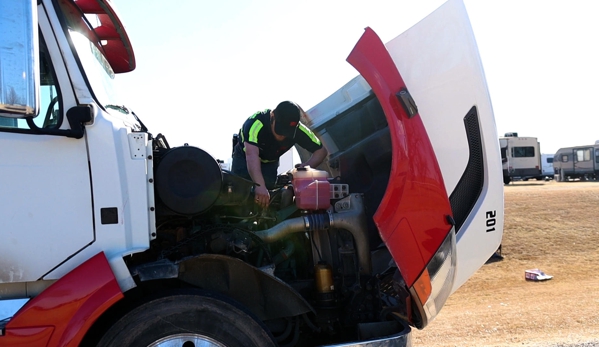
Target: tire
{"points": [[189, 319]]}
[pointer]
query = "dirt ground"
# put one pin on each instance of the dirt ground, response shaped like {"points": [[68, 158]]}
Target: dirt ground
{"points": [[553, 226]]}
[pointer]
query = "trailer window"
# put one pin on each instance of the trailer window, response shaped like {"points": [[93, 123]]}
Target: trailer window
{"points": [[523, 152], [564, 158], [550, 160], [583, 154]]}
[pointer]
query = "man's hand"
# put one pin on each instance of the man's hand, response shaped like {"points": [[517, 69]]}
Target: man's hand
{"points": [[262, 196], [253, 162]]}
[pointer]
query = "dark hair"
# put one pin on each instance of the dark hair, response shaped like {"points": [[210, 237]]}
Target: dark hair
{"points": [[287, 116]]}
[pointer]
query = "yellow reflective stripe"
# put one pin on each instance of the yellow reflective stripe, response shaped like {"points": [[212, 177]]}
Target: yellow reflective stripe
{"points": [[309, 133], [254, 130], [267, 161]]}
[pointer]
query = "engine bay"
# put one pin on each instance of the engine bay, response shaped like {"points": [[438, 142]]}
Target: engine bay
{"points": [[314, 238]]}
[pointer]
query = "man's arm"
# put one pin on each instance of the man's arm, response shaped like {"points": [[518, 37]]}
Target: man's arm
{"points": [[318, 155], [252, 157], [316, 158]]}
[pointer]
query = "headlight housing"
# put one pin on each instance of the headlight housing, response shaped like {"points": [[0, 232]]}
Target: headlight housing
{"points": [[432, 288]]}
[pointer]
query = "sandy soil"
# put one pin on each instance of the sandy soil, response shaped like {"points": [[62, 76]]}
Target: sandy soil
{"points": [[552, 226]]}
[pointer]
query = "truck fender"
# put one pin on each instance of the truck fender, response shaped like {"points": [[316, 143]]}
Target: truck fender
{"points": [[262, 293], [63, 313]]}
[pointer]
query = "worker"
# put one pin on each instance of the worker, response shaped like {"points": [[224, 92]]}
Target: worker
{"points": [[266, 136]]}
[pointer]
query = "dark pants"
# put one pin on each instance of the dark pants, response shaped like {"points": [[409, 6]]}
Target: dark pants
{"points": [[240, 168]]}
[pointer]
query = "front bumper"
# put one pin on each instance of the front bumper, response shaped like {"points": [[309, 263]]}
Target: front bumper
{"points": [[398, 335]]}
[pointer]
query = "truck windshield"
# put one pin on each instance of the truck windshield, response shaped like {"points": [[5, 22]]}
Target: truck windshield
{"points": [[80, 28]]}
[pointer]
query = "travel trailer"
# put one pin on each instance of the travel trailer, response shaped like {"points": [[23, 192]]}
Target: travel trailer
{"points": [[547, 171], [580, 162], [521, 157]]}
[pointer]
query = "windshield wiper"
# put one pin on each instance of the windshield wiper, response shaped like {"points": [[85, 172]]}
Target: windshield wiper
{"points": [[143, 127], [125, 110]]}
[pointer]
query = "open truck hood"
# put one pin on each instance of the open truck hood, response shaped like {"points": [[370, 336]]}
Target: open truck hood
{"points": [[415, 133]]}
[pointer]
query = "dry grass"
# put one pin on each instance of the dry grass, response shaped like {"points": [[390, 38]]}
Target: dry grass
{"points": [[548, 225]]}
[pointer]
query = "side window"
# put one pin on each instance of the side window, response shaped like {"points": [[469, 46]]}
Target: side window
{"points": [[50, 102], [550, 160], [523, 152], [504, 154], [583, 154], [564, 158], [6, 122]]}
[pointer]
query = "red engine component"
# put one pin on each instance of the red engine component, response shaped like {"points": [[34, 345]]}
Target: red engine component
{"points": [[312, 188]]}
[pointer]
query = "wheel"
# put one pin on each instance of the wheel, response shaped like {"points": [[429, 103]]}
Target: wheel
{"points": [[188, 319], [507, 179]]}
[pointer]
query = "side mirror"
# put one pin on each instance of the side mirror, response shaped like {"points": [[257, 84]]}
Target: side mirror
{"points": [[19, 69]]}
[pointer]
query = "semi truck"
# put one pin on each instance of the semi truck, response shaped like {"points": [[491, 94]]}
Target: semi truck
{"points": [[116, 238], [521, 157]]}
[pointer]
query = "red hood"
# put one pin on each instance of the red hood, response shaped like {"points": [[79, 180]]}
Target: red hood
{"points": [[414, 215]]}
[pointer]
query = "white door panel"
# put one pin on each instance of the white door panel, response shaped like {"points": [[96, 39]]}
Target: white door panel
{"points": [[47, 213]]}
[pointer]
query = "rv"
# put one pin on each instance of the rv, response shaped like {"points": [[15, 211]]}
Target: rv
{"points": [[580, 162], [521, 157], [547, 171]]}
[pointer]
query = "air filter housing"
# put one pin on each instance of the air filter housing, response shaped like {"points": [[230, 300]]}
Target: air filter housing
{"points": [[188, 180]]}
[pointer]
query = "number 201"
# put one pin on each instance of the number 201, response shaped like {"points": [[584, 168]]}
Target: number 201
{"points": [[491, 221]]}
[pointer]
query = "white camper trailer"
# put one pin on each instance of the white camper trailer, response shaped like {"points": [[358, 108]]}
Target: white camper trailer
{"points": [[521, 157], [579, 162], [547, 166]]}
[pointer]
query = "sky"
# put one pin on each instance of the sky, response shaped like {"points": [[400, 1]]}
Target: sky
{"points": [[203, 67]]}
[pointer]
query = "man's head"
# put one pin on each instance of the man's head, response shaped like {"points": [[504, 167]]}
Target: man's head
{"points": [[287, 116]]}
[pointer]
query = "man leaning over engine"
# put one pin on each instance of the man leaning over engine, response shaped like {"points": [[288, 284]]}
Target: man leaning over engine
{"points": [[264, 138]]}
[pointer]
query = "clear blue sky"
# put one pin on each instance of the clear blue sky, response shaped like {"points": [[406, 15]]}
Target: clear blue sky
{"points": [[205, 66]]}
